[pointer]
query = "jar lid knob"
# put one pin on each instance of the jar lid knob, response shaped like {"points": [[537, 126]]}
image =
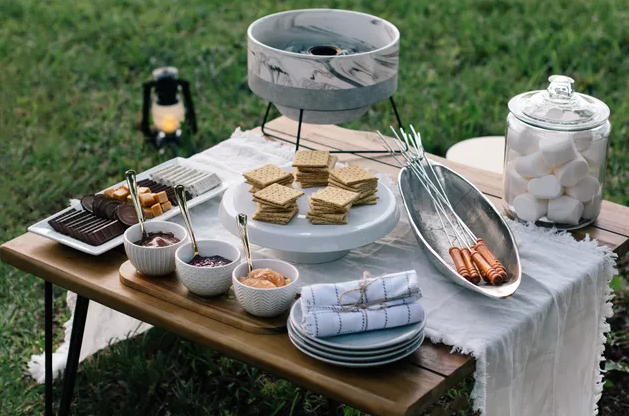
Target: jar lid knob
{"points": [[561, 87]]}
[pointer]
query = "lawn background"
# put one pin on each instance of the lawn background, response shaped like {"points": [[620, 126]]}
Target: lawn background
{"points": [[70, 98]]}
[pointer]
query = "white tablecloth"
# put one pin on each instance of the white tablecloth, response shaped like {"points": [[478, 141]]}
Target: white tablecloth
{"points": [[537, 353]]}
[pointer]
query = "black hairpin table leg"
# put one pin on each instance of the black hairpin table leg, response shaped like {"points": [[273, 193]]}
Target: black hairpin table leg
{"points": [[48, 348], [78, 326]]}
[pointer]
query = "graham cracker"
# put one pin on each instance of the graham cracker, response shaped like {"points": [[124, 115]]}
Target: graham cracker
{"points": [[311, 158], [331, 163], [277, 195], [370, 200], [335, 196], [281, 219], [352, 175], [326, 217], [263, 208], [266, 175]]}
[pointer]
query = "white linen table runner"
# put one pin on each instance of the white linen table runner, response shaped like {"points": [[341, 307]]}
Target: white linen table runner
{"points": [[537, 353]]}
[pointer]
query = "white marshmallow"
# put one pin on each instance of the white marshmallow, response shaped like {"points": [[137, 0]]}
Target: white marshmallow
{"points": [[514, 183], [582, 139], [529, 208], [592, 208], [596, 153], [532, 166], [594, 170], [546, 187], [565, 210], [585, 190], [572, 172], [521, 137], [512, 154], [557, 150]]}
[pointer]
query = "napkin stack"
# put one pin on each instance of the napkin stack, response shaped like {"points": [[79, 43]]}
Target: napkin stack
{"points": [[363, 305]]}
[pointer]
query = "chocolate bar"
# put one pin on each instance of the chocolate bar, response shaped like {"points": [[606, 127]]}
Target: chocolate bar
{"points": [[87, 227]]}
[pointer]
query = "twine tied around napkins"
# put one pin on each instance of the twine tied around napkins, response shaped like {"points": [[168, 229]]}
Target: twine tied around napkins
{"points": [[362, 302]]}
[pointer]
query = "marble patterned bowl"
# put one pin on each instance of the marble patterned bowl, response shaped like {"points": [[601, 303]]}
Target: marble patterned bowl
{"points": [[207, 281], [266, 303], [289, 63]]}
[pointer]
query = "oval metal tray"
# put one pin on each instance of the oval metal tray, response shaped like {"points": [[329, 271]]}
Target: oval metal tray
{"points": [[476, 211]]}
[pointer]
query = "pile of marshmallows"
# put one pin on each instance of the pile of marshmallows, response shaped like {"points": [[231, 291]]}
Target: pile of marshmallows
{"points": [[554, 174]]}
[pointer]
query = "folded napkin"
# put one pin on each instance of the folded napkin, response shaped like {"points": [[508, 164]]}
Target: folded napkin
{"points": [[363, 305]]}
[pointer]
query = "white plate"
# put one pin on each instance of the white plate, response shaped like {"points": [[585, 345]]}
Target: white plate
{"points": [[45, 230], [403, 354], [366, 224], [350, 353], [369, 340], [341, 355]]}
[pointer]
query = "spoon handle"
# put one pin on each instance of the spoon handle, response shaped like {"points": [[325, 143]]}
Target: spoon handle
{"points": [[242, 228], [180, 194], [133, 189]]}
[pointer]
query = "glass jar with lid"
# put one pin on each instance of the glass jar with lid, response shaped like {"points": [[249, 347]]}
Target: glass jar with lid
{"points": [[555, 156]]}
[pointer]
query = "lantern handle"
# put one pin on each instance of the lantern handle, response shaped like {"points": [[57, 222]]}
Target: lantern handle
{"points": [[187, 100], [146, 108]]}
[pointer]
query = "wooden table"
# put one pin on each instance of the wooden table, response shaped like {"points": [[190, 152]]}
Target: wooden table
{"points": [[405, 387]]}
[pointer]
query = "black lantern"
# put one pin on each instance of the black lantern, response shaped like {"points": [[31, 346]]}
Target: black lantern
{"points": [[171, 118]]}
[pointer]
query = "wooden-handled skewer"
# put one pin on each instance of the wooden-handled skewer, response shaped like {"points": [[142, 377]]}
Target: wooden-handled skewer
{"points": [[459, 263], [494, 277], [471, 268], [496, 265]]}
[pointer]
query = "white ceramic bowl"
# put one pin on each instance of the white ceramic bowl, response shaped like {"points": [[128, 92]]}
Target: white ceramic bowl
{"points": [[206, 281], [266, 302], [153, 261]]}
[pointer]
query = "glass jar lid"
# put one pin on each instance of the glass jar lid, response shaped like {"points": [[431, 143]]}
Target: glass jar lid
{"points": [[559, 107]]}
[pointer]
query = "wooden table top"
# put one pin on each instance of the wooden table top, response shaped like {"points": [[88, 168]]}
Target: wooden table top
{"points": [[405, 387]]}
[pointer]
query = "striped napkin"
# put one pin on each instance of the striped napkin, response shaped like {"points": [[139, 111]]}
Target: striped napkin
{"points": [[369, 304]]}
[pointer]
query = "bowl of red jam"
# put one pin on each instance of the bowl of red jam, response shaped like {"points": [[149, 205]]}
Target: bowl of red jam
{"points": [[210, 272]]}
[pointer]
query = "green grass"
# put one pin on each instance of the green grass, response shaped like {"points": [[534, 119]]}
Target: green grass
{"points": [[70, 97]]}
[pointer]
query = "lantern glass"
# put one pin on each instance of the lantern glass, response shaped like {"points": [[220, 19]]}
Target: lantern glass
{"points": [[168, 118]]}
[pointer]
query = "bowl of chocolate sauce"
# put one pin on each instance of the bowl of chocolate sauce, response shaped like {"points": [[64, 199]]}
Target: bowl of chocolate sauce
{"points": [[210, 272], [154, 254]]}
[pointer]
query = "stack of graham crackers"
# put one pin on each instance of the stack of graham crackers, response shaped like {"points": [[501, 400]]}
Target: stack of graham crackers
{"points": [[276, 204], [267, 175], [330, 206], [356, 179], [312, 167]]}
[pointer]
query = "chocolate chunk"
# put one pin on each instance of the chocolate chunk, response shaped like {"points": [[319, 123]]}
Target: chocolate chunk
{"points": [[126, 214], [87, 202], [108, 209]]}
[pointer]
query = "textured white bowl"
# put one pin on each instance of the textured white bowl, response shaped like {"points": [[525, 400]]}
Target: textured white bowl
{"points": [[206, 281], [266, 302], [153, 261]]}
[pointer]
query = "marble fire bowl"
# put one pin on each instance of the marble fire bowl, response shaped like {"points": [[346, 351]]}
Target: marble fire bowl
{"points": [[331, 89]]}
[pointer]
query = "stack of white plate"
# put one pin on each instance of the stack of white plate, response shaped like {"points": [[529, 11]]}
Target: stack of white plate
{"points": [[361, 349]]}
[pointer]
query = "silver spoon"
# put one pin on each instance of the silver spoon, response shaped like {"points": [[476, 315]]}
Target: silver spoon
{"points": [[180, 194], [242, 228], [133, 189]]}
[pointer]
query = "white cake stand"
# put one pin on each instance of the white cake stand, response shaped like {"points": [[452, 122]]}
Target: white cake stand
{"points": [[302, 242]]}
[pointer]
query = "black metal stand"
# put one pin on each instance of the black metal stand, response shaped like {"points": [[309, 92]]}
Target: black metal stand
{"points": [[78, 327], [48, 347], [298, 137]]}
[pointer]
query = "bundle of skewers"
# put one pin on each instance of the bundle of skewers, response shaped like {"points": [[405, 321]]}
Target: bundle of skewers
{"points": [[472, 258]]}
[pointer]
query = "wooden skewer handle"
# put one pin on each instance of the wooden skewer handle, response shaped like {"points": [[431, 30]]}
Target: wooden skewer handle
{"points": [[469, 264], [481, 247], [485, 268], [459, 264]]}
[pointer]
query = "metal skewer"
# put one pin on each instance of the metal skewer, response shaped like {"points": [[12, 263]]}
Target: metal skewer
{"points": [[467, 258]]}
